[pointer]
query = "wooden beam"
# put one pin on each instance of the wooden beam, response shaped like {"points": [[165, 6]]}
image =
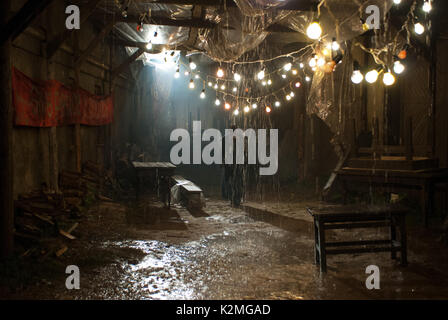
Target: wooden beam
{"points": [[293, 5], [23, 19], [163, 21], [56, 43], [127, 62], [94, 43], [156, 48], [6, 146]]}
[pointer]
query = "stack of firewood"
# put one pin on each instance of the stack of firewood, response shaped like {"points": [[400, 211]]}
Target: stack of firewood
{"points": [[45, 214]]}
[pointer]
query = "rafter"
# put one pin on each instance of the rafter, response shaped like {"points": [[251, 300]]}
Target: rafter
{"points": [[23, 19], [95, 42], [127, 62]]}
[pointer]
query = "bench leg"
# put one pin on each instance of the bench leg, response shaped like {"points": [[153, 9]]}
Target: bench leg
{"points": [[316, 244], [322, 255], [403, 241]]}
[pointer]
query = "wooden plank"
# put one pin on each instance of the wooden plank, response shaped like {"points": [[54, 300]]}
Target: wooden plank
{"points": [[22, 19], [126, 63], [86, 12], [6, 145], [94, 43], [164, 21]]}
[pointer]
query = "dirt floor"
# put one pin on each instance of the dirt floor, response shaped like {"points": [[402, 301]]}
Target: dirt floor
{"points": [[260, 251]]}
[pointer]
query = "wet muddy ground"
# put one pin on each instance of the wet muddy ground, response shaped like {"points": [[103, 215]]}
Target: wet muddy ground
{"points": [[260, 251]]}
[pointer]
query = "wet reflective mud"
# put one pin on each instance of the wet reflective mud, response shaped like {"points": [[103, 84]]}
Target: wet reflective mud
{"points": [[258, 251]]}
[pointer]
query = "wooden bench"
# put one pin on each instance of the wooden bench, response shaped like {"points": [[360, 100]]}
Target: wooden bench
{"points": [[328, 217], [190, 192]]}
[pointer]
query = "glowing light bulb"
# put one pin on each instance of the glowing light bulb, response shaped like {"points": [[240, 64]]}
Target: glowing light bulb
{"points": [[268, 109], [335, 46], [297, 84], [314, 31], [372, 76], [202, 95], [236, 112], [313, 62], [149, 45], [264, 83], [320, 62], [220, 73], [307, 79], [210, 84], [177, 74], [196, 76], [301, 65], [287, 67], [427, 7], [235, 89], [237, 77], [419, 28], [288, 97], [357, 77], [217, 102], [397, 1], [284, 76], [193, 65], [277, 104], [388, 79], [223, 87], [294, 72], [292, 94], [398, 67], [215, 86], [254, 106], [227, 106], [246, 109], [261, 75], [186, 73], [191, 85], [269, 82]]}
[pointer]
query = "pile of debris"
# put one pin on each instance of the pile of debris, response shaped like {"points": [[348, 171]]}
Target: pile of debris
{"points": [[42, 216]]}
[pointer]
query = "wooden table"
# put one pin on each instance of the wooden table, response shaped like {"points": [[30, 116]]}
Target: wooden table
{"points": [[152, 170], [327, 217], [398, 180]]}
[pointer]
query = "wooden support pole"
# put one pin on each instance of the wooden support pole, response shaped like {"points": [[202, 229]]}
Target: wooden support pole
{"points": [[94, 43], [408, 140], [77, 126], [6, 147], [126, 63]]}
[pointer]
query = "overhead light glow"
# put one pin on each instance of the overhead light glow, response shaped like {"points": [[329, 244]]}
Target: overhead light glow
{"points": [[287, 67], [298, 84], [202, 95], [227, 106], [427, 7], [357, 77], [254, 106], [261, 75], [314, 31], [246, 109], [388, 79], [277, 104], [237, 77], [419, 28], [236, 112], [220, 73], [372, 76], [191, 85], [217, 102], [398, 67], [268, 109]]}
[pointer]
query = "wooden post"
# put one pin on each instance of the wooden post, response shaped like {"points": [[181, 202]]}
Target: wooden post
{"points": [[408, 140], [376, 139], [77, 125], [354, 144], [6, 147]]}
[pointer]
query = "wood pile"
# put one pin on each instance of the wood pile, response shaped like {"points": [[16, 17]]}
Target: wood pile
{"points": [[45, 214]]}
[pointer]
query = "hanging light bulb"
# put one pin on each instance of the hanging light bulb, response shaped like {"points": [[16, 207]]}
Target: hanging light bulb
{"points": [[292, 94], [210, 84], [196, 76], [261, 75], [294, 72], [398, 67], [236, 112], [372, 76], [202, 95], [313, 62], [217, 102], [177, 74], [388, 78], [284, 76], [216, 86], [397, 1], [320, 62], [268, 109], [277, 104], [269, 82], [220, 73], [419, 28], [246, 109], [237, 77], [191, 85], [223, 87], [427, 7], [335, 45], [264, 83], [149, 45], [288, 97], [193, 65], [301, 65], [235, 89], [227, 106], [254, 106], [357, 77], [307, 79], [287, 67], [314, 31], [297, 84]]}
